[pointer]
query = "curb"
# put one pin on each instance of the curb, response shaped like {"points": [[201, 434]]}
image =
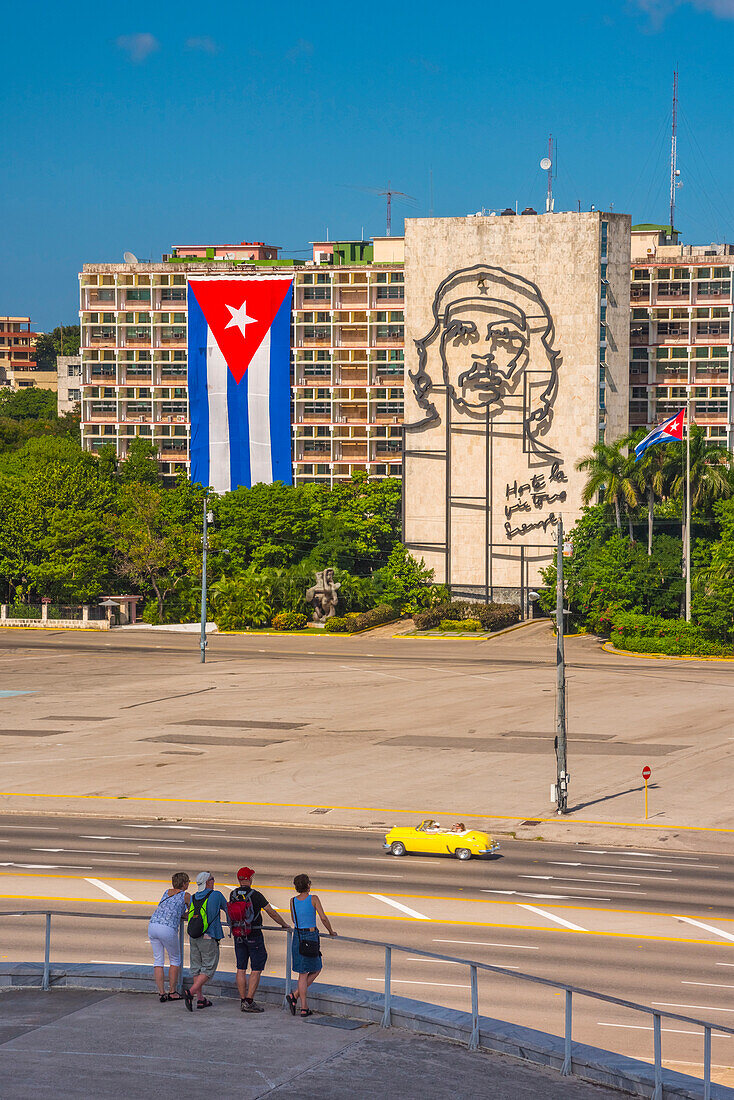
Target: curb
{"points": [[608, 647], [592, 1064]]}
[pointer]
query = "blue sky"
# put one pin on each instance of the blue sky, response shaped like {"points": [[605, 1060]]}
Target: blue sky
{"points": [[140, 126]]}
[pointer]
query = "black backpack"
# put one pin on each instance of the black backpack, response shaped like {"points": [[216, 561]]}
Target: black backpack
{"points": [[198, 921]]}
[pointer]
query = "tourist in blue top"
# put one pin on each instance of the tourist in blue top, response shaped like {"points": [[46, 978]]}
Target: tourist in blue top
{"points": [[204, 950], [163, 930], [304, 909]]}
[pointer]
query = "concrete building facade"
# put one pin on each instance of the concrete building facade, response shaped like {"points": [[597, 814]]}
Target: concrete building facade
{"points": [[346, 354], [517, 336], [18, 366], [68, 382], [681, 332]]}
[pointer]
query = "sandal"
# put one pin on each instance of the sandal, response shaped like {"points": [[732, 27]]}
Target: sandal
{"points": [[292, 1000], [204, 1004], [163, 997], [175, 997], [306, 1012], [189, 1000]]}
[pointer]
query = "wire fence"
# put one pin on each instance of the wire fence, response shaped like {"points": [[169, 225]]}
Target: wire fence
{"points": [[474, 968]]}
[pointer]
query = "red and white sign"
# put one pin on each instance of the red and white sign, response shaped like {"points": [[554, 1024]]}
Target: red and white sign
{"points": [[646, 772]]}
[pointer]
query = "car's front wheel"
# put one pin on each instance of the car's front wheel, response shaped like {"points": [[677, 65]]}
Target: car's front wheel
{"points": [[397, 849], [462, 853]]}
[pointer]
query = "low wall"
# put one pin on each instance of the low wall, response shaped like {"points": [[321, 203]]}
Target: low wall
{"points": [[58, 624], [629, 1076]]}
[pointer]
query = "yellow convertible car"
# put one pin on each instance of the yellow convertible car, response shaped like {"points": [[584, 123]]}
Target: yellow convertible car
{"points": [[430, 838]]}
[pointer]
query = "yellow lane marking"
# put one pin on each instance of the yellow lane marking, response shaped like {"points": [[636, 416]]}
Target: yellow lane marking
{"points": [[361, 809], [388, 917]]}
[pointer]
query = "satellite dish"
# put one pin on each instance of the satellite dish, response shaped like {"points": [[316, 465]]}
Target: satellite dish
{"points": [[545, 163], [130, 258]]}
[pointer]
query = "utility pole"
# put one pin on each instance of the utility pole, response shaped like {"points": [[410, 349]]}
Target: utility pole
{"points": [[561, 772], [674, 152], [688, 506], [204, 548]]}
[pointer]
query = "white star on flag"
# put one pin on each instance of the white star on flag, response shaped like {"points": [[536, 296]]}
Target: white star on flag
{"points": [[239, 318]]}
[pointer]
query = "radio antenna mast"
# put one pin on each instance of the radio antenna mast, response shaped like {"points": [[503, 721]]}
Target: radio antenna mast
{"points": [[674, 153]]}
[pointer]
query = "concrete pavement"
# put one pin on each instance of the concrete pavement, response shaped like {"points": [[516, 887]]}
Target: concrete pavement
{"points": [[110, 1045], [393, 729]]}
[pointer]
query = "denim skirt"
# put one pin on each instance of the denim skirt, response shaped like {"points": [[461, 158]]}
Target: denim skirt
{"points": [[299, 963]]}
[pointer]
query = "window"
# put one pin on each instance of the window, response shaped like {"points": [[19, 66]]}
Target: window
{"points": [[316, 294], [138, 294], [74, 395]]}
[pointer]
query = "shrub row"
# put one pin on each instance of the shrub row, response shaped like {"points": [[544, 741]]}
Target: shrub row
{"points": [[653, 634], [289, 620], [361, 620], [460, 624], [491, 616]]}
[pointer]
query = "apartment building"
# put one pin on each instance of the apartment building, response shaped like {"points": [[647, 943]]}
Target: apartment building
{"points": [[681, 331], [18, 366], [346, 353], [68, 374]]}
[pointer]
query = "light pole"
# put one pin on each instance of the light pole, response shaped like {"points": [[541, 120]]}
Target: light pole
{"points": [[208, 518], [561, 772], [688, 505]]}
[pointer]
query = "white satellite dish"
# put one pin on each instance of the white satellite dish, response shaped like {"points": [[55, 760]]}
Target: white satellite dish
{"points": [[130, 258], [545, 163]]}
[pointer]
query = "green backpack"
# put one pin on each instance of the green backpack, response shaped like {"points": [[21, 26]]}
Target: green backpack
{"points": [[198, 920]]}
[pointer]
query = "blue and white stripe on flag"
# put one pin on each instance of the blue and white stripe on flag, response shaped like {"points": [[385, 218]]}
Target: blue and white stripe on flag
{"points": [[239, 380], [670, 431]]}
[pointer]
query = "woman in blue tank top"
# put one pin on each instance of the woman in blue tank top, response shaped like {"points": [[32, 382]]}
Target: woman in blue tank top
{"points": [[305, 907]]}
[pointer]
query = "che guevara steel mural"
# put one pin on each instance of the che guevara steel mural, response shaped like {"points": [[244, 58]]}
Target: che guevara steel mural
{"points": [[489, 367]]}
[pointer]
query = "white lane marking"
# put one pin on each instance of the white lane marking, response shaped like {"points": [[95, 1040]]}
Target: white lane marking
{"points": [[656, 855], [668, 1031], [437, 985], [360, 874], [604, 867], [400, 906], [116, 962], [725, 964], [553, 917], [108, 889], [373, 672], [34, 828], [677, 866], [548, 897], [572, 878], [481, 943], [48, 866], [85, 851], [386, 859], [451, 962], [708, 928], [701, 1008], [219, 836], [710, 985]]}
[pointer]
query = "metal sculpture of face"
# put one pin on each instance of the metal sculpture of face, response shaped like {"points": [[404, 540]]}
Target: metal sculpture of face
{"points": [[484, 349]]}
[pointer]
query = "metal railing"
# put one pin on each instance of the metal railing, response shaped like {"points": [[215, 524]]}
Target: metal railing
{"points": [[569, 991]]}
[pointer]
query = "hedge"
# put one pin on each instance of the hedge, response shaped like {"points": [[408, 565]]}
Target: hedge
{"points": [[653, 634], [492, 616], [461, 624], [355, 621], [289, 620]]}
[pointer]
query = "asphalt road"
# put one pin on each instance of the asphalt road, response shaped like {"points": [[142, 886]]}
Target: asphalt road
{"points": [[638, 924]]}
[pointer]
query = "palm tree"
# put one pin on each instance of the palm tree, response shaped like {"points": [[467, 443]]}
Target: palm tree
{"points": [[649, 475], [611, 474], [710, 470]]}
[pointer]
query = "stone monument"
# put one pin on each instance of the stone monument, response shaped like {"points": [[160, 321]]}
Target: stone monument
{"points": [[324, 596]]}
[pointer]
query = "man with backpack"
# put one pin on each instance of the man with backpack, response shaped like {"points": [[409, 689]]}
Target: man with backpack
{"points": [[205, 931], [245, 915]]}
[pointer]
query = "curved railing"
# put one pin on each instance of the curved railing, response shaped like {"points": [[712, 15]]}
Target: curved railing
{"points": [[570, 991]]}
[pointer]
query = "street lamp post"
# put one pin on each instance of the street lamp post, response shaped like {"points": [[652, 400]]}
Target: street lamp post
{"points": [[561, 764], [207, 519]]}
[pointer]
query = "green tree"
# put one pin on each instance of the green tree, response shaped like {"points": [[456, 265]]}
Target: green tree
{"points": [[49, 345], [611, 474], [29, 403], [267, 525], [650, 475], [406, 583], [713, 578], [156, 538], [141, 465]]}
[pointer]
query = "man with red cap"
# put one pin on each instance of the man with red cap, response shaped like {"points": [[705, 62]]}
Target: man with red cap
{"points": [[251, 948]]}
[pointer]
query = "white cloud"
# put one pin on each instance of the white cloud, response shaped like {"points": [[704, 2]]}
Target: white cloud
{"points": [[203, 43], [138, 46], [659, 9]]}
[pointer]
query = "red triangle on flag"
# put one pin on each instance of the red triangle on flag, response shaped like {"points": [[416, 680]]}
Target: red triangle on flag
{"points": [[675, 428], [239, 313]]}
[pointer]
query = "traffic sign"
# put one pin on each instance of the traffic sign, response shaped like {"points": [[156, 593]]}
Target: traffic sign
{"points": [[646, 773]]}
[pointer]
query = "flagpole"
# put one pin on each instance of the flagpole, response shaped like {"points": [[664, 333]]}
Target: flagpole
{"points": [[688, 505]]}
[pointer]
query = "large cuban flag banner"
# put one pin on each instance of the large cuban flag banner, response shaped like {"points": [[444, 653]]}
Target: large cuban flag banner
{"points": [[239, 380]]}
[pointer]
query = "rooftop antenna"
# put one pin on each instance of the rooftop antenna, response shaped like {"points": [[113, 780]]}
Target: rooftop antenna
{"points": [[674, 173], [547, 165]]}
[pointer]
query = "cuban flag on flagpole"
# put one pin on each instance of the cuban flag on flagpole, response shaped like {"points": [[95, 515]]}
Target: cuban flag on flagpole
{"points": [[670, 431], [239, 380]]}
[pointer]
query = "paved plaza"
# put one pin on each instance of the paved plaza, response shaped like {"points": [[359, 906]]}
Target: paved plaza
{"points": [[364, 730]]}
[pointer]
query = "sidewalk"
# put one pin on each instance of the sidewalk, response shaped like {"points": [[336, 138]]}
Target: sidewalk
{"points": [[104, 1045]]}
